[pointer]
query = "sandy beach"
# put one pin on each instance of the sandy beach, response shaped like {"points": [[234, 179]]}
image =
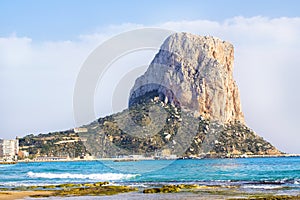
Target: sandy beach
{"points": [[12, 195], [26, 195]]}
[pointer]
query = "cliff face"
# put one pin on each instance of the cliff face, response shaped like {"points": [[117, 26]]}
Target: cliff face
{"points": [[195, 73]]}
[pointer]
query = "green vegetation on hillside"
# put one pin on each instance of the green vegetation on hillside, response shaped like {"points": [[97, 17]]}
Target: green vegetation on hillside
{"points": [[57, 144], [151, 129]]}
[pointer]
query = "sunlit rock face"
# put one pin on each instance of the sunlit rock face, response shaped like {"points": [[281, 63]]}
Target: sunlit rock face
{"points": [[195, 73]]}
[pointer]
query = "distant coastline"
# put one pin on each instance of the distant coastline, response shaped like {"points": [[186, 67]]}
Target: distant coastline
{"points": [[57, 159]]}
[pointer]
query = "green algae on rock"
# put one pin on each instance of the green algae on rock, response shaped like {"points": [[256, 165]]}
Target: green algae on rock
{"points": [[170, 188], [95, 191], [85, 189]]}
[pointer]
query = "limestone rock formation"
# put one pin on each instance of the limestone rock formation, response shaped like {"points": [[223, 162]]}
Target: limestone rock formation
{"points": [[195, 73], [186, 104]]}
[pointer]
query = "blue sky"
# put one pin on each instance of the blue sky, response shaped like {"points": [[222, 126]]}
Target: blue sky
{"points": [[43, 45], [65, 20]]}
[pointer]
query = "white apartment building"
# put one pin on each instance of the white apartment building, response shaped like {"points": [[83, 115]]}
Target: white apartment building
{"points": [[9, 149]]}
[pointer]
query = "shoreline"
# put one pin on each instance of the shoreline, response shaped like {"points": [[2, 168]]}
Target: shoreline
{"points": [[151, 158]]}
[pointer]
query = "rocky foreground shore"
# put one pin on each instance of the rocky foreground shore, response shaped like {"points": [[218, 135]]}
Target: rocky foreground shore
{"points": [[105, 189]]}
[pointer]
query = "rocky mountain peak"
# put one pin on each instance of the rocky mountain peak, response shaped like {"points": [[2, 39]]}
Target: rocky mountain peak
{"points": [[190, 76], [195, 73]]}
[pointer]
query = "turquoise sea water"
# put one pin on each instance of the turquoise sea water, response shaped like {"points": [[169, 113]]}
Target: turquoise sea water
{"points": [[248, 173]]}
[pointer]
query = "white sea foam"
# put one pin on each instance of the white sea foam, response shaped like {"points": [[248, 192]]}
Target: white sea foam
{"points": [[101, 177], [266, 187], [19, 184]]}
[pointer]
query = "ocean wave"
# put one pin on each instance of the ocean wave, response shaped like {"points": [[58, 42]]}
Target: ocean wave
{"points": [[266, 187], [280, 181], [100, 177]]}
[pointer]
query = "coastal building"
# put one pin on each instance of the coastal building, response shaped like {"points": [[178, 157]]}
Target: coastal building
{"points": [[9, 149], [23, 154], [80, 130], [50, 159]]}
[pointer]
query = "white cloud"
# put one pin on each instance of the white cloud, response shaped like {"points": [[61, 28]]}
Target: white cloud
{"points": [[37, 78], [15, 51]]}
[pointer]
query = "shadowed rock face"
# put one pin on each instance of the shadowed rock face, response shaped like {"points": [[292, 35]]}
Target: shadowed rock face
{"points": [[195, 73]]}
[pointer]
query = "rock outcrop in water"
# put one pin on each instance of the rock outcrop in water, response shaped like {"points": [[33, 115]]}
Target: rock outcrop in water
{"points": [[186, 104], [195, 73]]}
